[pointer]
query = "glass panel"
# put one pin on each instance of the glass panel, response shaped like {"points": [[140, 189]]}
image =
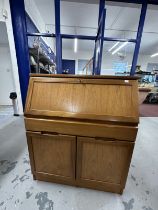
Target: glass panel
{"points": [[147, 60], [82, 55], [42, 14], [40, 19], [79, 18], [117, 62], [116, 20], [42, 57]]}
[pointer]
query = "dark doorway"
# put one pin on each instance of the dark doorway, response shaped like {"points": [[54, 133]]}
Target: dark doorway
{"points": [[69, 65]]}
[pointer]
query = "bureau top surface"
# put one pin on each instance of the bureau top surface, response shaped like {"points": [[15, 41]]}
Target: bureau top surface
{"points": [[103, 98], [85, 76]]}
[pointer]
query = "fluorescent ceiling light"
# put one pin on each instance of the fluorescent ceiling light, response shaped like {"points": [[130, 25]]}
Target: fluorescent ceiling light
{"points": [[119, 48], [113, 46], [154, 55], [75, 45]]}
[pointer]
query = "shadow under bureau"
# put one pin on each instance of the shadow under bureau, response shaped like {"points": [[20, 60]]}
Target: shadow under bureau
{"points": [[81, 130]]}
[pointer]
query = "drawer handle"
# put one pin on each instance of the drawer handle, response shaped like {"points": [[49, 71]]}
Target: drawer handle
{"points": [[104, 139], [49, 133]]}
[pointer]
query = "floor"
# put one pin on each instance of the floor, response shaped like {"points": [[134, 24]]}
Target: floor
{"points": [[148, 110], [6, 113], [18, 191]]}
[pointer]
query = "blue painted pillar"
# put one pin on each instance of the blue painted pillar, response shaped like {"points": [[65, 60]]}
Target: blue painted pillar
{"points": [[101, 9], [21, 44], [101, 42], [58, 37], [98, 51], [139, 37]]}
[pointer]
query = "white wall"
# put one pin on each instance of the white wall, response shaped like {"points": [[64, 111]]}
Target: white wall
{"points": [[6, 75], [1, 6], [4, 5]]}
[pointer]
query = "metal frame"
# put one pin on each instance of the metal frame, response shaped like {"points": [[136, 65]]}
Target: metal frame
{"points": [[58, 37], [98, 51], [139, 36], [82, 37], [99, 39], [101, 9], [20, 36]]}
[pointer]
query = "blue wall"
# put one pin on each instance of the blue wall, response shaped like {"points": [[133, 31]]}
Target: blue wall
{"points": [[70, 65]]}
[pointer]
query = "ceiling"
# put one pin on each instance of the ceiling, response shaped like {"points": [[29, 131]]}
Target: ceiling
{"points": [[84, 1], [121, 22], [114, 1], [3, 34]]}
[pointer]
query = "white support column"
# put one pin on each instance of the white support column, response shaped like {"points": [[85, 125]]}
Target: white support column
{"points": [[4, 6]]}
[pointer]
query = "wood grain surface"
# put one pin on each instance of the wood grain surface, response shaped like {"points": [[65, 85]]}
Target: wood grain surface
{"points": [[81, 130]]}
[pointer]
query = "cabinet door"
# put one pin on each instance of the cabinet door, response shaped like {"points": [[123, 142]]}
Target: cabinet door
{"points": [[52, 157], [103, 164]]}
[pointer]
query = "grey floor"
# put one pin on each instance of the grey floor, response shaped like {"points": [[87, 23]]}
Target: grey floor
{"points": [[6, 113], [19, 191]]}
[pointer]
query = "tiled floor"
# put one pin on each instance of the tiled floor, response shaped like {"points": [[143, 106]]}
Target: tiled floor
{"points": [[6, 110], [6, 113], [18, 191]]}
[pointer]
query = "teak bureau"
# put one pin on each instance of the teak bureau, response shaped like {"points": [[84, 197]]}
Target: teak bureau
{"points": [[81, 130]]}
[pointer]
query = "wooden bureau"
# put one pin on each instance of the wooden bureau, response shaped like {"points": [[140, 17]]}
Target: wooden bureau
{"points": [[81, 130]]}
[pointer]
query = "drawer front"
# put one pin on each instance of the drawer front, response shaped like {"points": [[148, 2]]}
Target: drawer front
{"points": [[103, 164], [125, 133], [52, 155]]}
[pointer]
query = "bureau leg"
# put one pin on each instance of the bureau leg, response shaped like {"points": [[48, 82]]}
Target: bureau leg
{"points": [[34, 177], [121, 191]]}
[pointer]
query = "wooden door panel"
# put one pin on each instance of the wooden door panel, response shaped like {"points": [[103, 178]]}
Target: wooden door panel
{"points": [[54, 154], [103, 161]]}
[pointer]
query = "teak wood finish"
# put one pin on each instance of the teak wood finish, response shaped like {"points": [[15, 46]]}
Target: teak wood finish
{"points": [[81, 130]]}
